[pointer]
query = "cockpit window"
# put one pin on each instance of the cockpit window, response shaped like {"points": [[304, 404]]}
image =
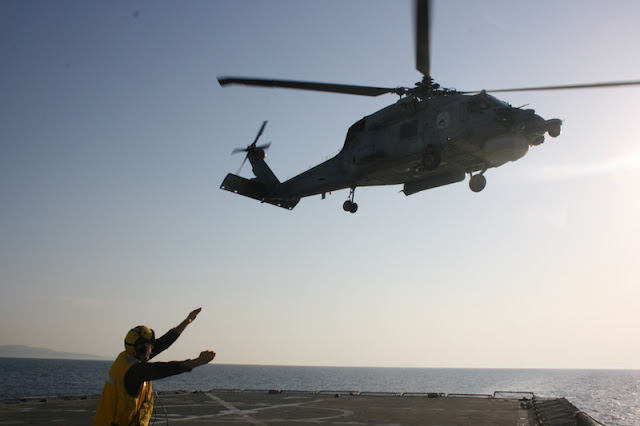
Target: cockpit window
{"points": [[497, 102], [482, 102], [479, 103]]}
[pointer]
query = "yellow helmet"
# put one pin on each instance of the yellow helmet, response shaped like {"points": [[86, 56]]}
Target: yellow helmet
{"points": [[136, 337]]}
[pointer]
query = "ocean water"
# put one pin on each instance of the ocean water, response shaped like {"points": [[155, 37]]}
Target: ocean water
{"points": [[610, 396]]}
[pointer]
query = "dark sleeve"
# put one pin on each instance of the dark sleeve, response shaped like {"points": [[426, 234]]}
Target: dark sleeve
{"points": [[164, 342], [145, 371]]}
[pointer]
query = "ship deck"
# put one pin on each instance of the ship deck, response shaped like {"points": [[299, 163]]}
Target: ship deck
{"points": [[273, 407]]}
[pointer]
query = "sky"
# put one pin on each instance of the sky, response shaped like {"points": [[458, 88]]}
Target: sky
{"points": [[115, 137]]}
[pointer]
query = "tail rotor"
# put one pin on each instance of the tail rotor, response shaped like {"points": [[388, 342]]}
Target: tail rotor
{"points": [[253, 149]]}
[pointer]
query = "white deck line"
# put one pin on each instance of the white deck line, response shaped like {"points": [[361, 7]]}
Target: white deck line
{"points": [[234, 410]]}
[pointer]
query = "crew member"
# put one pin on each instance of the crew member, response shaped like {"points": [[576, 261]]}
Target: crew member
{"points": [[127, 397]]}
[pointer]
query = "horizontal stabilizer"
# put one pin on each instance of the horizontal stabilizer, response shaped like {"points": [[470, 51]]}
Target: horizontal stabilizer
{"points": [[253, 189]]}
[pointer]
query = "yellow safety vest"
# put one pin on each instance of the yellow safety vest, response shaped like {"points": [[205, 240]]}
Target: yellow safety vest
{"points": [[116, 406]]}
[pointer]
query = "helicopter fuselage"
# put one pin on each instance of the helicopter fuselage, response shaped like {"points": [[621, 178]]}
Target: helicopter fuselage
{"points": [[396, 145]]}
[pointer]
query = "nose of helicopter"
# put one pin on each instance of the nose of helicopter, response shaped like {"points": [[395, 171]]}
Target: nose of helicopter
{"points": [[526, 128], [538, 126]]}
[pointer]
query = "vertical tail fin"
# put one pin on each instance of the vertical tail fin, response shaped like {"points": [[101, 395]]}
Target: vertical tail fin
{"points": [[261, 170]]}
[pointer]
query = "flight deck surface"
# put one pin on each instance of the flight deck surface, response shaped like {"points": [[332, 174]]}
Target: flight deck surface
{"points": [[298, 407]]}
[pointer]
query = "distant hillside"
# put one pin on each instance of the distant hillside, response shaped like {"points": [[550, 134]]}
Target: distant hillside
{"points": [[18, 351]]}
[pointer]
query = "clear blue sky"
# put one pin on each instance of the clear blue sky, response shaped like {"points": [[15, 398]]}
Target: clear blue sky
{"points": [[115, 137]]}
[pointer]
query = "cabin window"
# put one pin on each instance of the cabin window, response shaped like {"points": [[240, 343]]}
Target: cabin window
{"points": [[409, 129]]}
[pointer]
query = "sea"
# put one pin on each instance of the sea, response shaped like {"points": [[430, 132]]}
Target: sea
{"points": [[612, 397]]}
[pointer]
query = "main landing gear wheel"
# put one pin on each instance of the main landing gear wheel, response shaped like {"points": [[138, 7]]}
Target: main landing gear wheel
{"points": [[349, 205], [477, 182]]}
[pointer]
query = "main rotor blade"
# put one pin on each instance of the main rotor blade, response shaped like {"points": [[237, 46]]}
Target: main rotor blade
{"points": [[565, 87], [423, 27], [308, 85]]}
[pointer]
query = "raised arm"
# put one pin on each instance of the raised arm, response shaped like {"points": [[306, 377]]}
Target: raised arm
{"points": [[192, 316], [162, 343]]}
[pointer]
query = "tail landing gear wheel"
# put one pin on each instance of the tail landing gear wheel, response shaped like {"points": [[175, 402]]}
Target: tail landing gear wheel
{"points": [[477, 183], [350, 206]]}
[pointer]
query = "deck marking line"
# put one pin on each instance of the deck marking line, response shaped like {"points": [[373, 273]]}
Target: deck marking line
{"points": [[305, 404], [234, 410]]}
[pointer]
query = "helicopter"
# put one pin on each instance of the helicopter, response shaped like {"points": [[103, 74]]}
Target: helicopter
{"points": [[431, 137]]}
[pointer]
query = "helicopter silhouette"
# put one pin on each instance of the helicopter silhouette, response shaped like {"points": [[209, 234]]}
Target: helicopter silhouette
{"points": [[432, 136]]}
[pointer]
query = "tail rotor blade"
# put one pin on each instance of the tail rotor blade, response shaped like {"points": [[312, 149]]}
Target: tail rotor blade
{"points": [[264, 124], [242, 164], [264, 147]]}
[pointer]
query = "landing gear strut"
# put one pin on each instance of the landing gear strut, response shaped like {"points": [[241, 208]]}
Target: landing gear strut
{"points": [[478, 182], [349, 205]]}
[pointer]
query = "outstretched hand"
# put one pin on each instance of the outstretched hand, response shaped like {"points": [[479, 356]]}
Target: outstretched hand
{"points": [[206, 356], [193, 314]]}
